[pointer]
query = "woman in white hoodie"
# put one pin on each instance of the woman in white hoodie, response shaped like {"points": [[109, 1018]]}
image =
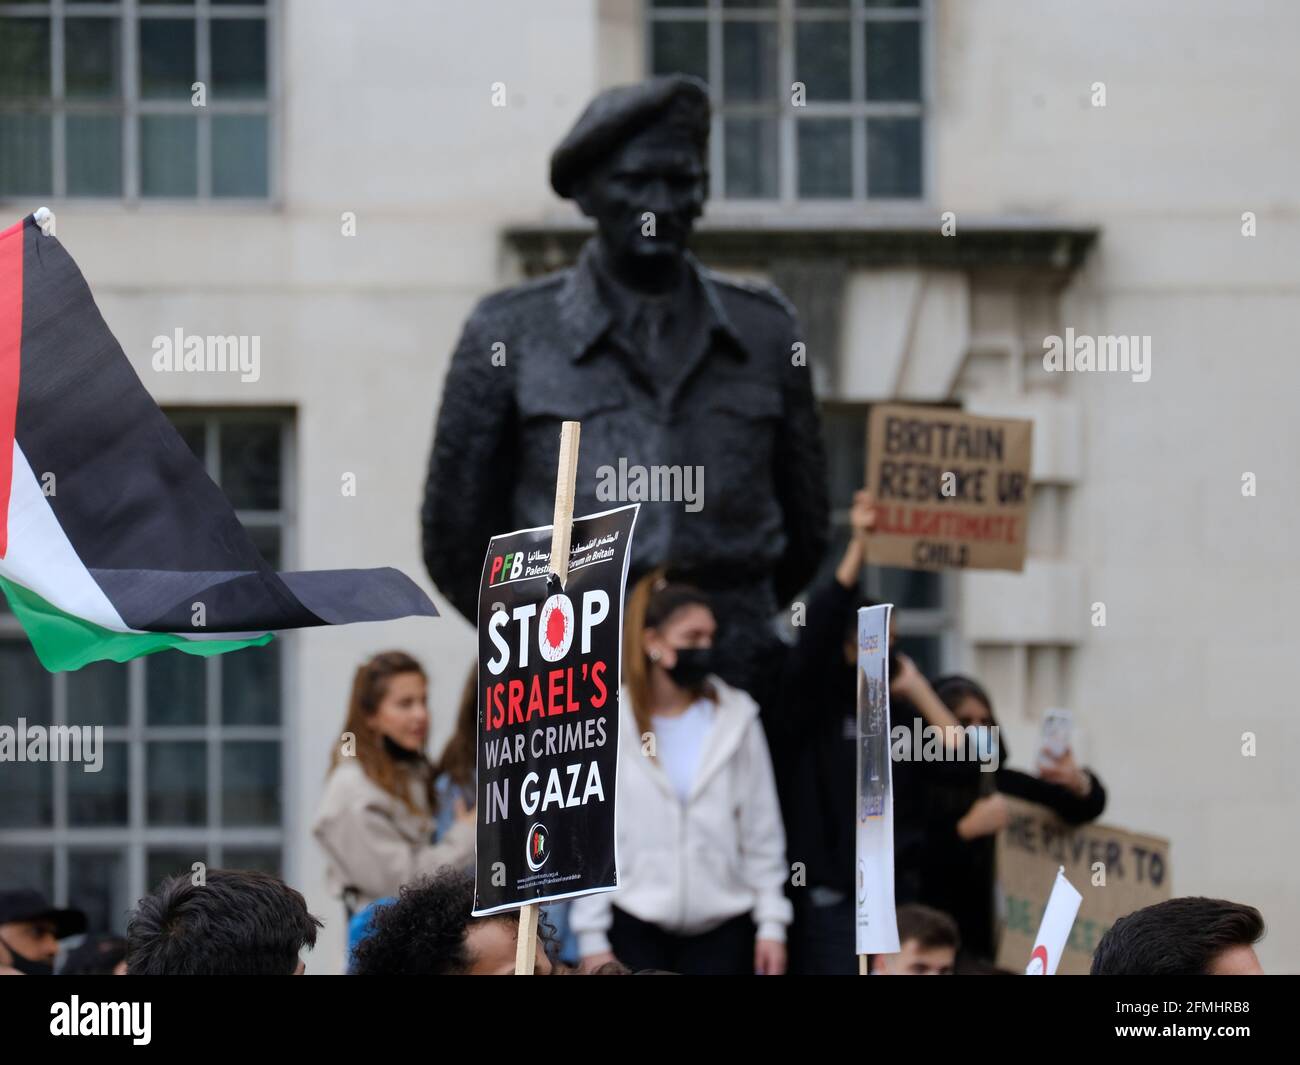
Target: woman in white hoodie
{"points": [[701, 848]]}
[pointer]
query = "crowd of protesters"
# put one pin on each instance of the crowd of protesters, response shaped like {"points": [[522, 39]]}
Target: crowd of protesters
{"points": [[429, 930], [709, 781]]}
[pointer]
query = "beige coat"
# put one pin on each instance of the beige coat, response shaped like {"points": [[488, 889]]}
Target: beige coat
{"points": [[374, 843]]}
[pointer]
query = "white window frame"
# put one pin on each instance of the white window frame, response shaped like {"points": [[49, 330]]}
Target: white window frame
{"points": [[783, 13], [130, 107]]}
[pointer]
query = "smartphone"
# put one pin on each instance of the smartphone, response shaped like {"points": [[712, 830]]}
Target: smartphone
{"points": [[1057, 735]]}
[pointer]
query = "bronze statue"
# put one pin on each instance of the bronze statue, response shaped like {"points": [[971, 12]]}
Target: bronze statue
{"points": [[682, 380]]}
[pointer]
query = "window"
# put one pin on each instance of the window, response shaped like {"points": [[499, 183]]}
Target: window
{"points": [[924, 601], [857, 131], [136, 99], [193, 747]]}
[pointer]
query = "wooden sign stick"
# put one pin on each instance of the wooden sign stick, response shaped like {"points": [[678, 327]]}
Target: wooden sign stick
{"points": [[566, 476]]}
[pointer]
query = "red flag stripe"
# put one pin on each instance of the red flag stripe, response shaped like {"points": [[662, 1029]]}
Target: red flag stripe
{"points": [[11, 342]]}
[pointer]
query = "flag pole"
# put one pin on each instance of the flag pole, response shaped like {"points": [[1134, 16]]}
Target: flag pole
{"points": [[566, 476]]}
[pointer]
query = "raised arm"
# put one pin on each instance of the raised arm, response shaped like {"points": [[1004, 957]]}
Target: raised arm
{"points": [[819, 645]]}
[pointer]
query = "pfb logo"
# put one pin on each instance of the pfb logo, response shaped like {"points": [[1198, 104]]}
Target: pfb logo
{"points": [[506, 567], [538, 846]]}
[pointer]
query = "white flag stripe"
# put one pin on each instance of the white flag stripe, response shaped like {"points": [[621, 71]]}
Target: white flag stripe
{"points": [[42, 559]]}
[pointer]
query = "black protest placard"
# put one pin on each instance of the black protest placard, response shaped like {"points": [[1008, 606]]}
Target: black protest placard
{"points": [[549, 666]]}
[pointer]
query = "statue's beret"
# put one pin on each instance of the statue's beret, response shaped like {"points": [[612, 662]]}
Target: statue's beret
{"points": [[620, 113]]}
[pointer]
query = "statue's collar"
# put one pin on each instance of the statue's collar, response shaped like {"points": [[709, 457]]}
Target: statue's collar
{"points": [[586, 312]]}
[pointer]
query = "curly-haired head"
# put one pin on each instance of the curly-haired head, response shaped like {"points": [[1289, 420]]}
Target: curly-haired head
{"points": [[429, 931]]}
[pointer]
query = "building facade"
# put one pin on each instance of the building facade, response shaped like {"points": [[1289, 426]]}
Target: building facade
{"points": [[938, 185]]}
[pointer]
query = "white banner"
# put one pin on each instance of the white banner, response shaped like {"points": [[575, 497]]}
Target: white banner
{"points": [[1054, 931], [877, 927]]}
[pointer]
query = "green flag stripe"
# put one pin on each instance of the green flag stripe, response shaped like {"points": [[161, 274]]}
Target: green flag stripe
{"points": [[62, 641]]}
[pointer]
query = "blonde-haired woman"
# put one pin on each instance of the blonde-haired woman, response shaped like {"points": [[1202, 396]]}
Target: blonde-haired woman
{"points": [[700, 841], [376, 820]]}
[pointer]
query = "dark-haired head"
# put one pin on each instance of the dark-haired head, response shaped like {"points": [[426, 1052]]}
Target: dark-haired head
{"points": [[1190, 936], [429, 931], [234, 923], [388, 721], [970, 704], [928, 926], [966, 699], [928, 941], [668, 636]]}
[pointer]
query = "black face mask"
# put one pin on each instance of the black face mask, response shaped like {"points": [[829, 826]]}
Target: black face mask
{"points": [[26, 966], [399, 753], [692, 666]]}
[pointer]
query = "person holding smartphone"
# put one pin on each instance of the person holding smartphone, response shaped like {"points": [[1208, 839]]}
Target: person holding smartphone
{"points": [[967, 881]]}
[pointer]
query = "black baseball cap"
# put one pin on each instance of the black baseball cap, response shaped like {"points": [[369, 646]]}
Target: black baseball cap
{"points": [[23, 906]]}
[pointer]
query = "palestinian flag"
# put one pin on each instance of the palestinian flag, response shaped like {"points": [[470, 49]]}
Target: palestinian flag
{"points": [[114, 542]]}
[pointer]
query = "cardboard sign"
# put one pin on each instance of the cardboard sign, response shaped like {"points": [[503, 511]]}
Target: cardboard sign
{"points": [[549, 668], [1036, 844], [952, 489], [877, 925]]}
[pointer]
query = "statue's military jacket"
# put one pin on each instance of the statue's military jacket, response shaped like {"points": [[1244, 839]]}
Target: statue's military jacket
{"points": [[735, 400]]}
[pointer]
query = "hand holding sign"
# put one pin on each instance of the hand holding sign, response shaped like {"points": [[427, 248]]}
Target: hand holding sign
{"points": [[863, 513], [862, 519]]}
